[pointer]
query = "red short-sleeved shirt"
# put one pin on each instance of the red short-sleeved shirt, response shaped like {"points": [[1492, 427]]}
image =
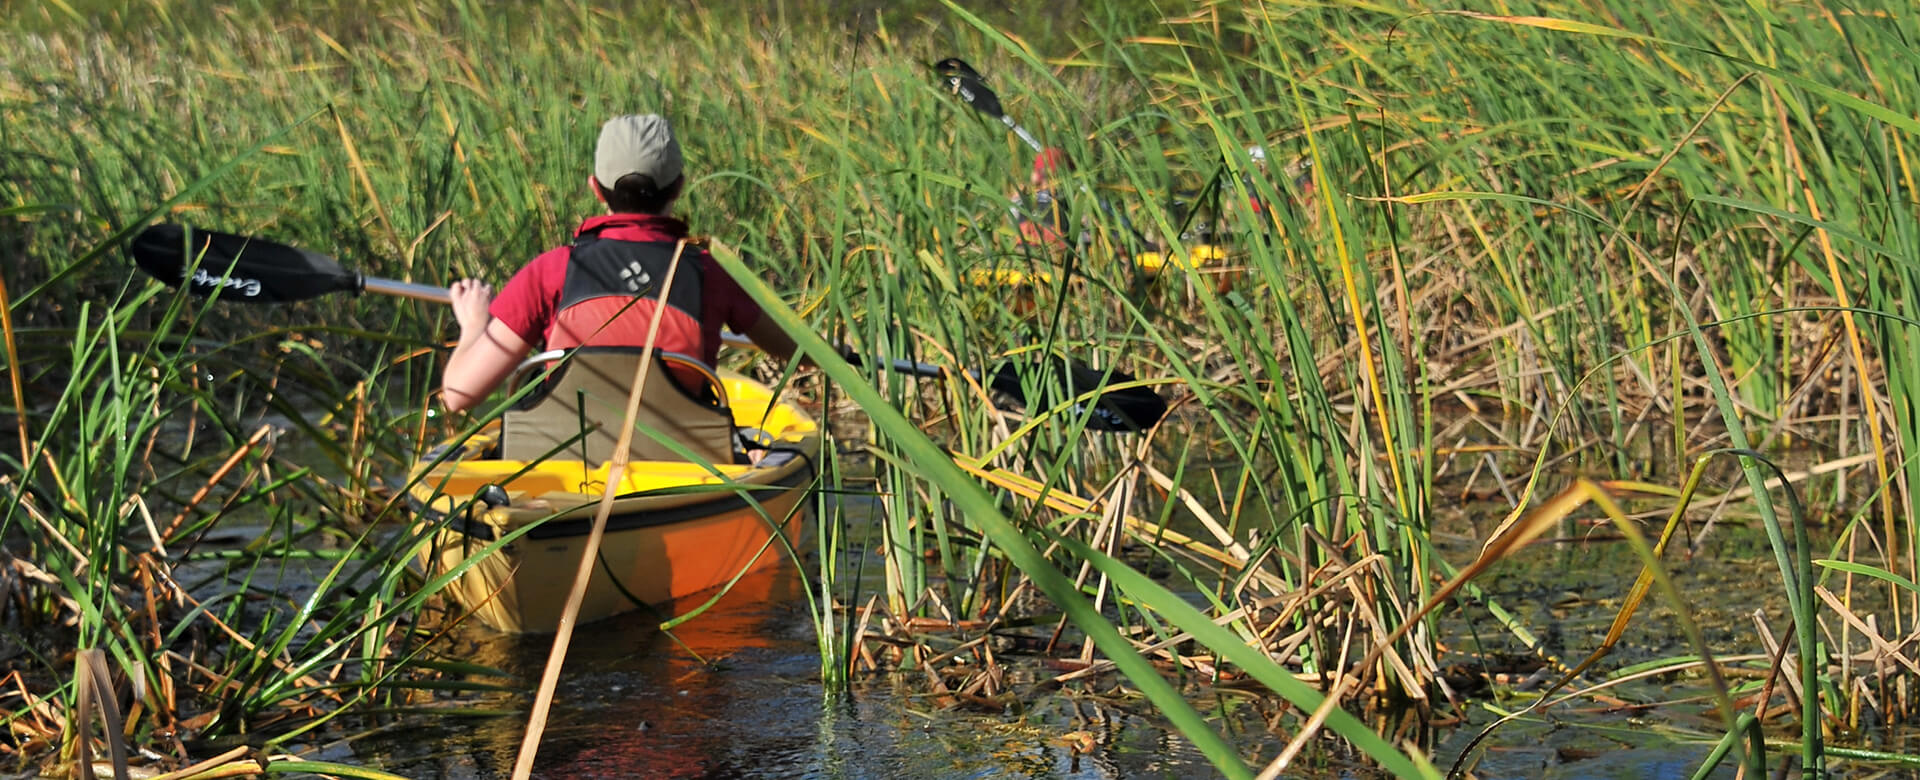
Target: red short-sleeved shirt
{"points": [[529, 301]]}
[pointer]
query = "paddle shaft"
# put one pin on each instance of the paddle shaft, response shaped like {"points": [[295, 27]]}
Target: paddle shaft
{"points": [[1021, 131], [253, 270], [418, 292], [432, 294], [422, 292]]}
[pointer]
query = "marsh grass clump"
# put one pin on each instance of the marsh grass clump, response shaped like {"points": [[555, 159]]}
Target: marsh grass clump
{"points": [[168, 564], [1598, 261]]}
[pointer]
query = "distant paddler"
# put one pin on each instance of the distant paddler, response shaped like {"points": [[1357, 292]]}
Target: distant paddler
{"points": [[1042, 216], [1300, 173]]}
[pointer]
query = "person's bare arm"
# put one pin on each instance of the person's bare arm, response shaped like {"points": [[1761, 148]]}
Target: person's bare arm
{"points": [[488, 350]]}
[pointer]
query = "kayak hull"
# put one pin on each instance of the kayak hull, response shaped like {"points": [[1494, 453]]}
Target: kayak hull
{"points": [[523, 585]]}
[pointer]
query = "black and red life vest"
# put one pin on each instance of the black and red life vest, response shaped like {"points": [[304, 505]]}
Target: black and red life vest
{"points": [[611, 290]]}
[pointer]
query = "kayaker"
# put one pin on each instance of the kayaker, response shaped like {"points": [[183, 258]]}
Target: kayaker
{"points": [[600, 289], [1045, 222], [1300, 173]]}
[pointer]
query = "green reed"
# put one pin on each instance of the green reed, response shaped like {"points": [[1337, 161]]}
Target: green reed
{"points": [[131, 465]]}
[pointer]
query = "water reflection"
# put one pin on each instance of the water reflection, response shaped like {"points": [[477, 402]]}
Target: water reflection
{"points": [[637, 703], [643, 705]]}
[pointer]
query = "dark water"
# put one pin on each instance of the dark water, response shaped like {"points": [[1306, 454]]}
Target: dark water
{"points": [[633, 703]]}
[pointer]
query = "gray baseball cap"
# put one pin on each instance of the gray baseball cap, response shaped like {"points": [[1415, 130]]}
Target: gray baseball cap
{"points": [[637, 143]]}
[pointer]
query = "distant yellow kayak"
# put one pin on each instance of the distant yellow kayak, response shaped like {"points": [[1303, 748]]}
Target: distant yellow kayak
{"points": [[1200, 256], [1007, 277]]}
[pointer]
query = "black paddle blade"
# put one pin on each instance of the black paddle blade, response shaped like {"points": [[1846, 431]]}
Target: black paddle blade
{"points": [[1058, 381], [237, 268], [956, 66], [968, 84]]}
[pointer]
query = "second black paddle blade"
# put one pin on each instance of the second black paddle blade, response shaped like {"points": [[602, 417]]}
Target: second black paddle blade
{"points": [[967, 83], [954, 66], [1060, 381], [237, 268]]}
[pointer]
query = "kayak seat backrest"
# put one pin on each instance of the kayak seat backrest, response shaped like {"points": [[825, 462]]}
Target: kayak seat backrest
{"points": [[577, 412]]}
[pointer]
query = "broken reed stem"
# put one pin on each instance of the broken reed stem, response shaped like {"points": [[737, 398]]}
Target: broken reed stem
{"points": [[616, 471]]}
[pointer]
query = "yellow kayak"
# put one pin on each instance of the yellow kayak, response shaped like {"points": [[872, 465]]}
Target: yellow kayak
{"points": [[677, 527], [1200, 256], [1205, 258]]}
